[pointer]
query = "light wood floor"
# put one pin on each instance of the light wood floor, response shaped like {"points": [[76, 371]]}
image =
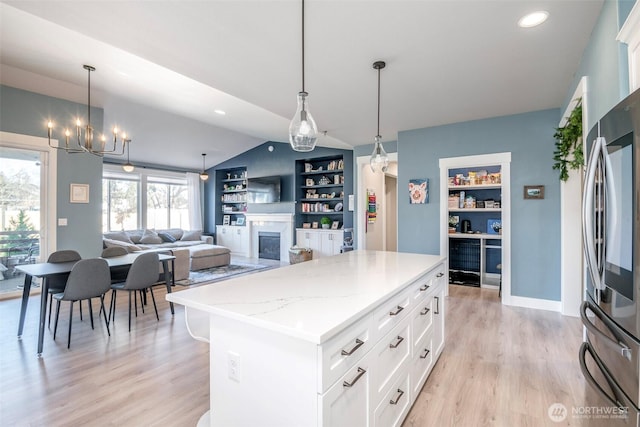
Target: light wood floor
{"points": [[501, 366]]}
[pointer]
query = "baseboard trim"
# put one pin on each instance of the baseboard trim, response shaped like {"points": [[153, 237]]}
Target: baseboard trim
{"points": [[540, 304]]}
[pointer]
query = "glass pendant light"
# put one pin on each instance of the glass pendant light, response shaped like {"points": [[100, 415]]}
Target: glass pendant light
{"points": [[127, 167], [379, 158], [303, 132], [203, 175]]}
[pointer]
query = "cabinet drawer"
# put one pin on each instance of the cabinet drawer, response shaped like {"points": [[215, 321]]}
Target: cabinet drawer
{"points": [[421, 320], [391, 313], [395, 404], [343, 351], [422, 287], [347, 403], [391, 354], [422, 363]]}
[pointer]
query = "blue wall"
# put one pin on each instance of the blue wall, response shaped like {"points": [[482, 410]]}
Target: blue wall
{"points": [[604, 63], [26, 113], [281, 161], [535, 228]]}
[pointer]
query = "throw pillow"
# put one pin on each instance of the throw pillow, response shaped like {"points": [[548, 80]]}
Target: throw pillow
{"points": [[166, 237], [118, 235], [150, 237], [110, 243], [192, 235]]}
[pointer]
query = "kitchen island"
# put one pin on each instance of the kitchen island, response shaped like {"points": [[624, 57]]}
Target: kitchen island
{"points": [[342, 340]]}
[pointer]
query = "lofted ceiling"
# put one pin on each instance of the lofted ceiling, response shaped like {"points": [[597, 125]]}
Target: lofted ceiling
{"points": [[163, 67]]}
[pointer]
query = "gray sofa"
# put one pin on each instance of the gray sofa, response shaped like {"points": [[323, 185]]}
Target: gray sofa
{"points": [[193, 251]]}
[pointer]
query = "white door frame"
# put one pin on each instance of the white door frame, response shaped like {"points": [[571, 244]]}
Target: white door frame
{"points": [[48, 184], [361, 190], [571, 261]]}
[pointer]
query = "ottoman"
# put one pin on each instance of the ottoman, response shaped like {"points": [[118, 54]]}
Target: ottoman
{"points": [[207, 256]]}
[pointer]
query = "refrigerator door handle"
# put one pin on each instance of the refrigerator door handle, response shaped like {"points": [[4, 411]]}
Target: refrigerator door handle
{"points": [[592, 381], [588, 213], [619, 347]]}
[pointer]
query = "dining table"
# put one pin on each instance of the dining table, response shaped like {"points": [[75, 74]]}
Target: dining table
{"points": [[45, 270]]}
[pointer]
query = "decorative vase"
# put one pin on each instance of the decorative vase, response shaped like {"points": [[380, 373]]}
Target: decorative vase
{"points": [[326, 226]]}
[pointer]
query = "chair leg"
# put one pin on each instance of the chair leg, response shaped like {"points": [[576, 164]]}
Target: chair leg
{"points": [[71, 323], [104, 313], [112, 306], [135, 301], [154, 303], [50, 306], [81, 311], [143, 299], [90, 312], [55, 326], [130, 309]]}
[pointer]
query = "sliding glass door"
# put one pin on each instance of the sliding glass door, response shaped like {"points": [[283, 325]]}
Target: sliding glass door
{"points": [[21, 212]]}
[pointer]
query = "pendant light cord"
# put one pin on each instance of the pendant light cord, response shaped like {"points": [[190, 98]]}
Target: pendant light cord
{"points": [[89, 98], [303, 45], [378, 135]]}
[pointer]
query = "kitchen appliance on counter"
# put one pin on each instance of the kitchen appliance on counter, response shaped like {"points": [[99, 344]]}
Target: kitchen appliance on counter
{"points": [[609, 357]]}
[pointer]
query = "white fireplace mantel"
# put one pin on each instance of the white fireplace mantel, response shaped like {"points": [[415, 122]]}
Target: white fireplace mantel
{"points": [[274, 222]]}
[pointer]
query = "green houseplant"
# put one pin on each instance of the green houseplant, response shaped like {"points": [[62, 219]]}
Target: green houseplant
{"points": [[325, 221], [569, 153]]}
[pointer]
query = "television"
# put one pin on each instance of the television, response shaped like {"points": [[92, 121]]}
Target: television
{"points": [[265, 189]]}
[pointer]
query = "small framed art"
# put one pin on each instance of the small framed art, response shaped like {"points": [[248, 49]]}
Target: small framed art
{"points": [[79, 193], [534, 191]]}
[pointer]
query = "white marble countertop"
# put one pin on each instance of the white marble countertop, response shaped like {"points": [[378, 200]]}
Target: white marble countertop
{"points": [[312, 300]]}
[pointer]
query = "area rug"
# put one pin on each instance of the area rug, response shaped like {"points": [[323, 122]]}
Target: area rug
{"points": [[216, 274]]}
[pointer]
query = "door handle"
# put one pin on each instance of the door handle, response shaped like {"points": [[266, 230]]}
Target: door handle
{"points": [[619, 347], [437, 304], [399, 339], [587, 375]]}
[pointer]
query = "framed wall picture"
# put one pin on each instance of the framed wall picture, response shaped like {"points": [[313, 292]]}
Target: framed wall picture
{"points": [[226, 219], [534, 191], [79, 193], [418, 191]]}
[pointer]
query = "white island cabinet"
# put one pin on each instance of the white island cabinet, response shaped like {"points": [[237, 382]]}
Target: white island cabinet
{"points": [[346, 340]]}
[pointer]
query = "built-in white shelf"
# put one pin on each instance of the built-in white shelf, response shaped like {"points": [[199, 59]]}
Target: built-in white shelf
{"points": [[475, 187], [475, 210], [475, 236]]}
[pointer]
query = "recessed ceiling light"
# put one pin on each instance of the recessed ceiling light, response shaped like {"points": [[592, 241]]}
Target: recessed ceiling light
{"points": [[533, 19], [221, 112]]}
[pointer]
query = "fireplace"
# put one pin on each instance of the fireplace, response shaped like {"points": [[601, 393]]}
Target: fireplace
{"points": [[281, 223], [269, 245]]}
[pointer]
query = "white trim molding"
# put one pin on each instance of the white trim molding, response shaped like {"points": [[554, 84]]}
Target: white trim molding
{"points": [[571, 264], [630, 35]]}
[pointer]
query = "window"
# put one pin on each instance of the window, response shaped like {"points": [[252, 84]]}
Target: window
{"points": [[119, 204], [167, 205], [147, 199]]}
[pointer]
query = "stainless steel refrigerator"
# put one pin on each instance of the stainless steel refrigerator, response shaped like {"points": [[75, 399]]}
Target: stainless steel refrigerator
{"points": [[609, 357]]}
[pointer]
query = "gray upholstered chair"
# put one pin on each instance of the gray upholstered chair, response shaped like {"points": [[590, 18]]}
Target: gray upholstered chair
{"points": [[143, 274], [118, 274], [89, 278], [57, 283]]}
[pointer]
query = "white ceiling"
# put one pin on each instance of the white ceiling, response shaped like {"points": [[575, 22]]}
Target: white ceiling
{"points": [[447, 61]]}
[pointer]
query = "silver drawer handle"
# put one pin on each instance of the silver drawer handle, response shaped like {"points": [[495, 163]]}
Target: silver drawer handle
{"points": [[355, 347], [399, 339], [361, 372], [426, 353], [395, 401], [398, 310], [437, 305], [424, 288], [439, 274], [424, 311]]}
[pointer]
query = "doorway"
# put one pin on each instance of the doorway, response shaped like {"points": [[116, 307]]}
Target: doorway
{"points": [[27, 207], [377, 192]]}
